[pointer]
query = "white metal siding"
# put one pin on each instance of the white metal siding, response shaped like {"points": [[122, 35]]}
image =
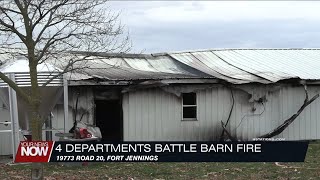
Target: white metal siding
{"points": [[156, 115], [5, 137], [307, 125], [57, 122], [280, 106]]}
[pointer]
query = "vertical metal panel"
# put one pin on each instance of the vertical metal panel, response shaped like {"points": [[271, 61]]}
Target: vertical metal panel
{"points": [[144, 115], [5, 141], [58, 122], [132, 121], [151, 124], [147, 112], [5, 137], [85, 101], [158, 112], [163, 110], [65, 102], [306, 126], [156, 115], [14, 118], [125, 109], [280, 106], [253, 119]]}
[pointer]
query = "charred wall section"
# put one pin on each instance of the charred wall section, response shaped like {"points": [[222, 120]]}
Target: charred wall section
{"points": [[156, 114]]}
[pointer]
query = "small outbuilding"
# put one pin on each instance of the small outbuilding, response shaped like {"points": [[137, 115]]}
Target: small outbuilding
{"points": [[192, 95]]}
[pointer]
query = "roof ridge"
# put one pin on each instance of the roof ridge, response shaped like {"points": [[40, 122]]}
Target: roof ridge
{"points": [[229, 49], [150, 55]]}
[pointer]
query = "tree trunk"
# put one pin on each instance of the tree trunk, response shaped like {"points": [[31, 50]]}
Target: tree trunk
{"points": [[36, 131], [36, 125], [35, 118], [37, 171]]}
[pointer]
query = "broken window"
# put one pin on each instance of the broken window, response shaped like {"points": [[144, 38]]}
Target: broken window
{"points": [[189, 106]]}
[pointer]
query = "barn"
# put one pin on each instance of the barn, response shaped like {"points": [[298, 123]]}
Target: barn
{"points": [[187, 96]]}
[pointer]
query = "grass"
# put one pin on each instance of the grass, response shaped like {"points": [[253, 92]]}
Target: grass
{"points": [[310, 169]]}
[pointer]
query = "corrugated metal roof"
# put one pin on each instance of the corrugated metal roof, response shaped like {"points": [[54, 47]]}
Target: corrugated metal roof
{"points": [[236, 66], [254, 65], [22, 65], [138, 68], [108, 66]]}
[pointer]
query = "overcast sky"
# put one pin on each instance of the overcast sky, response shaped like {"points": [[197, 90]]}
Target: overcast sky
{"points": [[188, 25]]}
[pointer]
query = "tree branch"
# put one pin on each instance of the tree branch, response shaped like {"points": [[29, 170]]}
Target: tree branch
{"points": [[68, 68], [51, 11], [224, 127], [287, 122], [14, 86], [11, 28], [227, 132]]}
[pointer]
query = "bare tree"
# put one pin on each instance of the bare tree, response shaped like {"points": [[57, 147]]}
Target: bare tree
{"points": [[44, 30]]}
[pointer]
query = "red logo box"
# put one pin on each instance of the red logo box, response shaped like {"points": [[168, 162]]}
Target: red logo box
{"points": [[34, 151]]}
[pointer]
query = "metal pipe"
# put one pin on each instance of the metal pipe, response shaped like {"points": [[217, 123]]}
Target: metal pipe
{"points": [[65, 101], [48, 126], [14, 117]]}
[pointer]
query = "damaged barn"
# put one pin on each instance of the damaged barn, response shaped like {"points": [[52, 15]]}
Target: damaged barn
{"points": [[237, 94]]}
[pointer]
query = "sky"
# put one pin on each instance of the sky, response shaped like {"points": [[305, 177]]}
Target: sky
{"points": [[168, 26]]}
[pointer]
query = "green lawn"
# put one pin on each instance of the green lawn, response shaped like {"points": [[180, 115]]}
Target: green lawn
{"points": [[310, 169]]}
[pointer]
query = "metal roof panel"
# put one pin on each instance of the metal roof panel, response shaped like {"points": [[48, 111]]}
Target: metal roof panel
{"points": [[236, 66]]}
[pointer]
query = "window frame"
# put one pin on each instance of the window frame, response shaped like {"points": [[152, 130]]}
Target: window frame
{"points": [[195, 105]]}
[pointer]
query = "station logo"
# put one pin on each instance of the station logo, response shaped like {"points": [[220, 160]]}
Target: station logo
{"points": [[34, 151]]}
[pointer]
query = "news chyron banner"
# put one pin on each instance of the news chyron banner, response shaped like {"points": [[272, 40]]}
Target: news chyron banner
{"points": [[64, 151]]}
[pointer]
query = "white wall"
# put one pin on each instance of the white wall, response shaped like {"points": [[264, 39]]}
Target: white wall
{"points": [[154, 114], [5, 137], [85, 102], [57, 120]]}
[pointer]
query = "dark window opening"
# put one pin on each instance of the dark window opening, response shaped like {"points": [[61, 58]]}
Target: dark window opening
{"points": [[189, 98], [109, 120], [189, 106]]}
